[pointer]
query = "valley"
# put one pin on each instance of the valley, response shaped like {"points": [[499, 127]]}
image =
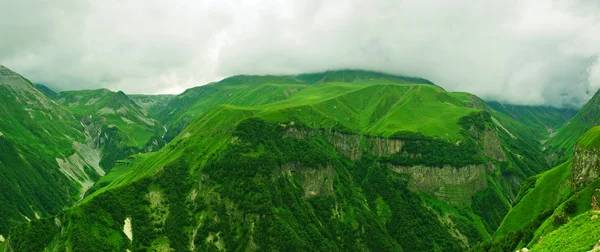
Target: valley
{"points": [[345, 160]]}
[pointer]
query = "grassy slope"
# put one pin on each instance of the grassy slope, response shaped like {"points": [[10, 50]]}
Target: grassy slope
{"points": [[551, 188], [580, 234], [562, 143], [378, 106], [551, 192], [256, 90], [35, 132], [327, 106], [591, 139]]}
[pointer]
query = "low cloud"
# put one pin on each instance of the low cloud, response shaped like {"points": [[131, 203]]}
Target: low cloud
{"points": [[522, 52]]}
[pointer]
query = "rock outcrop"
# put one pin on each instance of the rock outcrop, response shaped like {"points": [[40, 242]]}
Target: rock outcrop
{"points": [[586, 166], [315, 181], [454, 185], [350, 145]]}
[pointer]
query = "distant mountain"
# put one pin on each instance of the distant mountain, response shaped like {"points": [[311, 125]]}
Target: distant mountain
{"points": [[547, 119], [123, 127], [45, 90], [335, 161], [247, 90], [152, 105], [560, 146]]}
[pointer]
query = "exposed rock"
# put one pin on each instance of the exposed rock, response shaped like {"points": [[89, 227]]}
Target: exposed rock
{"points": [[349, 145], [492, 145], [127, 229], [346, 144], [586, 166], [383, 146], [10, 78], [453, 185], [595, 206], [315, 181]]}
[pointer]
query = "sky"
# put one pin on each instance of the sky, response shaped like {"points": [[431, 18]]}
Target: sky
{"points": [[526, 52]]}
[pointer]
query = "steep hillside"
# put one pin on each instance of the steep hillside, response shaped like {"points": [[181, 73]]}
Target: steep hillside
{"points": [[46, 158], [369, 164], [557, 210], [560, 146], [45, 90], [122, 126], [152, 105]]}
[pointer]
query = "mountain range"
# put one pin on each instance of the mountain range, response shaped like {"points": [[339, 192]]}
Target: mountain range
{"points": [[345, 160]]}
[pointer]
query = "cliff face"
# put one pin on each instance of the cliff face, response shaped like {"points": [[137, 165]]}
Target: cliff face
{"points": [[586, 166], [350, 145], [315, 181], [453, 185]]}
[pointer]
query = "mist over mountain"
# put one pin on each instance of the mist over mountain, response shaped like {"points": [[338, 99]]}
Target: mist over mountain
{"points": [[541, 52]]}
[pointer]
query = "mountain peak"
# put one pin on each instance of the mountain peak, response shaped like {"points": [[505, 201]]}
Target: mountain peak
{"points": [[10, 78]]}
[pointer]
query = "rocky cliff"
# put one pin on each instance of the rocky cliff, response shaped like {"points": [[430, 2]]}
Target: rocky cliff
{"points": [[586, 166], [454, 185]]}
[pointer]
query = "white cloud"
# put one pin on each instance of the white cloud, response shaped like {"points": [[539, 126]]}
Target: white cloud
{"points": [[524, 52]]}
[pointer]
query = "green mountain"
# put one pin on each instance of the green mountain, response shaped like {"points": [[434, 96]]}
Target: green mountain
{"points": [[557, 210], [244, 90], [336, 161], [46, 159], [560, 146], [45, 90], [121, 125]]}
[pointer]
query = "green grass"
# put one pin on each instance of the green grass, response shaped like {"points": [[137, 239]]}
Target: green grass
{"points": [[116, 175], [591, 139], [580, 234], [562, 143], [551, 188]]}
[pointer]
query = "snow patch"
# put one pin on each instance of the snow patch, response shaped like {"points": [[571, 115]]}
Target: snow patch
{"points": [[127, 228]]}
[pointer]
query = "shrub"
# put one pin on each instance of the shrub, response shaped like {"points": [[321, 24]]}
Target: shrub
{"points": [[560, 218], [571, 207]]}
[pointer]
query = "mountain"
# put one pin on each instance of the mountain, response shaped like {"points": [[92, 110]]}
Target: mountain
{"points": [[244, 90], [46, 158], [122, 126], [45, 90], [335, 161], [152, 105], [560, 146], [544, 118], [558, 209]]}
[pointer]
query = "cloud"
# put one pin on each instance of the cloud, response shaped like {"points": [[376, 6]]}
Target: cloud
{"points": [[522, 52]]}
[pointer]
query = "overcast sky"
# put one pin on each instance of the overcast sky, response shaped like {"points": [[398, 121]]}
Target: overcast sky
{"points": [[522, 52]]}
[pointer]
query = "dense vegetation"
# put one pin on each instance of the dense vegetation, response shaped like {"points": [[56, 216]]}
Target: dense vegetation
{"points": [[284, 163]]}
